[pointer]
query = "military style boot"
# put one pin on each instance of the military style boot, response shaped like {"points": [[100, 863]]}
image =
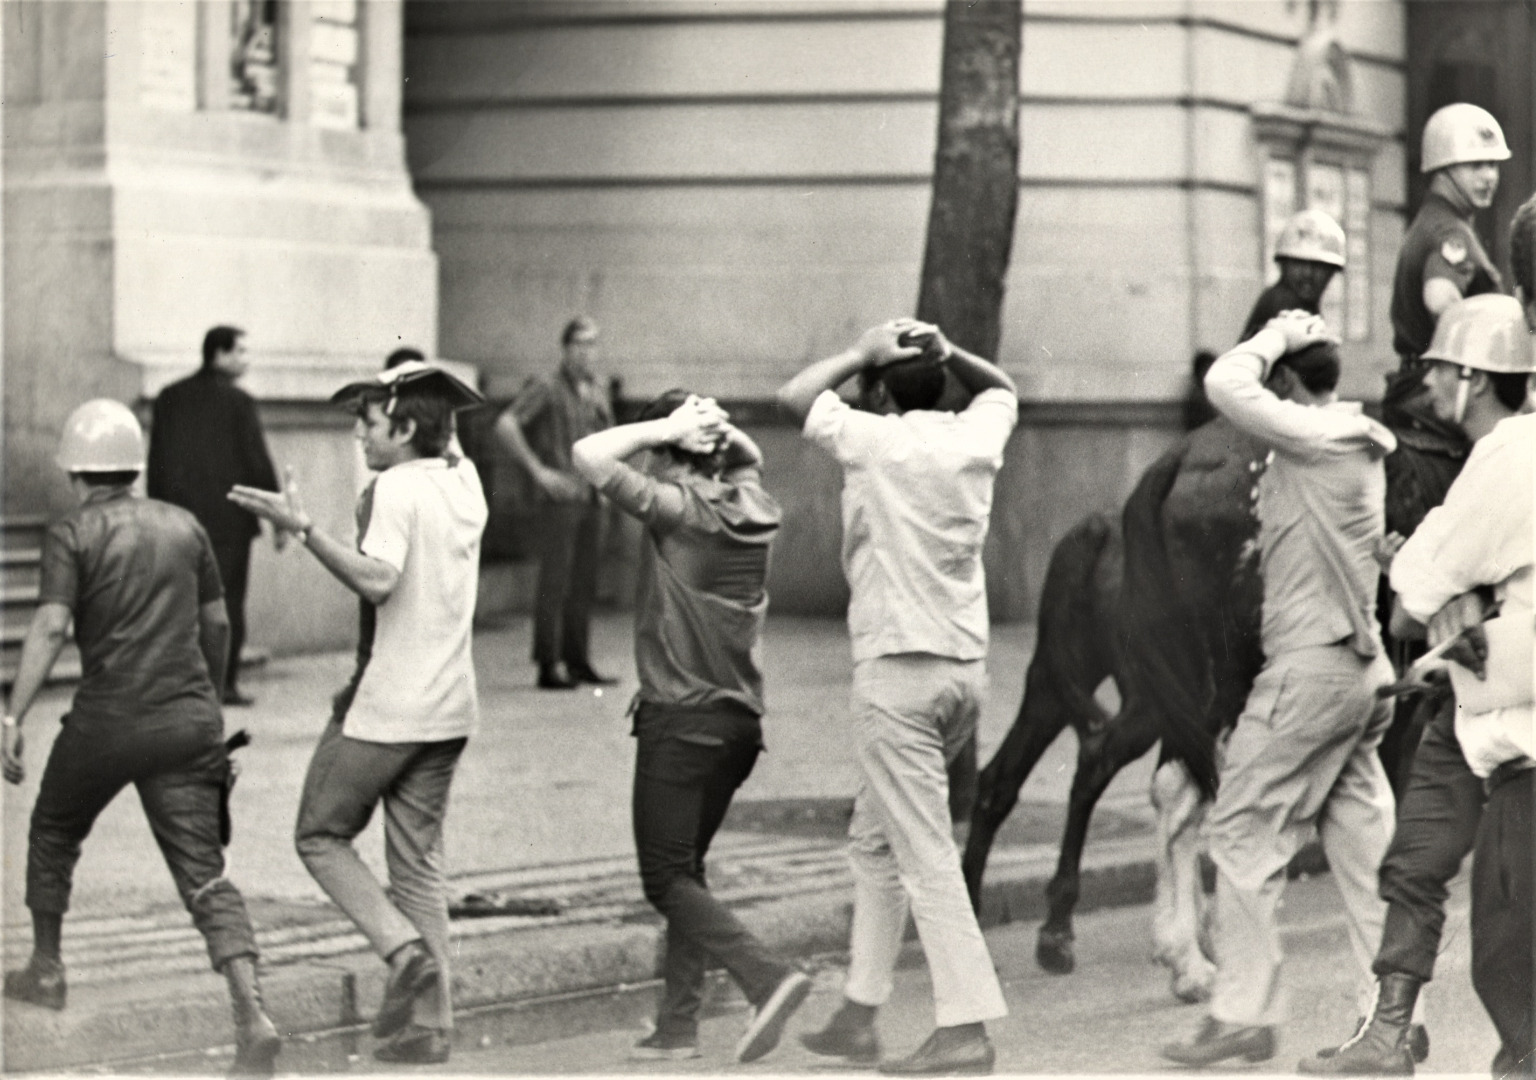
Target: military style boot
{"points": [[256, 1039], [1382, 1046]]}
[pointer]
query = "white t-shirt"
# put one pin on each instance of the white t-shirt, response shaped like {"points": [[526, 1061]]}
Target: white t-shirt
{"points": [[419, 685], [917, 499]]}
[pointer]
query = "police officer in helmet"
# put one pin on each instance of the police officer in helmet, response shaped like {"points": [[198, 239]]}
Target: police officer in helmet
{"points": [[1309, 251]]}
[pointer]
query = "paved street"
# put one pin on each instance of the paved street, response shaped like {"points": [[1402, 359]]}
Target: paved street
{"points": [[547, 780], [1108, 1017]]}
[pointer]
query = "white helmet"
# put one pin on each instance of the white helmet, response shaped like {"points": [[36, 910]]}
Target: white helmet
{"points": [[101, 436], [1486, 333], [1461, 133], [1314, 236]]}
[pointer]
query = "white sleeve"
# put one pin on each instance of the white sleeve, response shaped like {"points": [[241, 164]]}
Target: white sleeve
{"points": [[846, 433], [389, 526], [1480, 535], [1235, 386], [992, 415]]}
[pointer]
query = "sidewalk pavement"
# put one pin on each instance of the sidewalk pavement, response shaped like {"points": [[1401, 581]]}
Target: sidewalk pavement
{"points": [[540, 812]]}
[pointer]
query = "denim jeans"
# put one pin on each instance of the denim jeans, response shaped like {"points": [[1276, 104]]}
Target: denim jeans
{"points": [[688, 765], [347, 778]]}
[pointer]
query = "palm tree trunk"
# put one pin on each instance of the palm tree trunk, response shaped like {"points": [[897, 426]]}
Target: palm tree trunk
{"points": [[975, 175]]}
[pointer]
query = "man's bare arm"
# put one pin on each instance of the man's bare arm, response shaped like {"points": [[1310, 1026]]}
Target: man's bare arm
{"points": [[213, 640]]}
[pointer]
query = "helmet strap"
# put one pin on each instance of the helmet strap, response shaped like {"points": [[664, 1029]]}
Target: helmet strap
{"points": [[1463, 389]]}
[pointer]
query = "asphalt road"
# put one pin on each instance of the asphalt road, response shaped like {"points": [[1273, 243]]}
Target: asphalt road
{"points": [[1108, 1017]]}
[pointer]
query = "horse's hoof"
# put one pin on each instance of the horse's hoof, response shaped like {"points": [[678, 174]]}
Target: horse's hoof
{"points": [[1053, 951]]}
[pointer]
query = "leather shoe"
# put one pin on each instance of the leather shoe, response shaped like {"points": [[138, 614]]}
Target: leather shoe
{"points": [[552, 678], [949, 1051], [413, 976], [416, 1045], [583, 673], [1218, 1041], [238, 700], [41, 982], [855, 1042]]}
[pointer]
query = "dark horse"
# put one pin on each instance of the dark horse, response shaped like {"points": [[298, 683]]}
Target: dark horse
{"points": [[1166, 603]]}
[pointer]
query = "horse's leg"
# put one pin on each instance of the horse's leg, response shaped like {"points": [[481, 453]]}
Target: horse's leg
{"points": [[1099, 758], [1180, 913], [1041, 717]]}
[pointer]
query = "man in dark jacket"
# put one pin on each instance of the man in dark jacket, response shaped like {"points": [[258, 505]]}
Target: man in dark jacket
{"points": [[206, 438]]}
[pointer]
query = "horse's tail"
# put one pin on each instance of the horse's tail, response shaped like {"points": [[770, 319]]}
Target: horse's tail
{"points": [[1068, 633], [1163, 645]]}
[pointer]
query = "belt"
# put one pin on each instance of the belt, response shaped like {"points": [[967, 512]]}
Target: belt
{"points": [[1506, 772]]}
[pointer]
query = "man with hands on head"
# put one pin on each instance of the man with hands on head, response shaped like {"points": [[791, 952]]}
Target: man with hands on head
{"points": [[397, 730], [917, 500], [697, 717], [1303, 752]]}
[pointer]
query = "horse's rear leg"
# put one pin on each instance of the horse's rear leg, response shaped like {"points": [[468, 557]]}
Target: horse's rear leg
{"points": [[1181, 911], [1099, 758], [1041, 718]]}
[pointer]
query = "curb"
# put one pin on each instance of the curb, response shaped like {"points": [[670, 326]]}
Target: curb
{"points": [[551, 981]]}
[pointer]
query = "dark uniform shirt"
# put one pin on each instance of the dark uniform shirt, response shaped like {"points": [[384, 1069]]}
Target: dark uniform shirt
{"points": [[1439, 243], [555, 411], [205, 438], [1272, 301], [702, 592], [134, 573]]}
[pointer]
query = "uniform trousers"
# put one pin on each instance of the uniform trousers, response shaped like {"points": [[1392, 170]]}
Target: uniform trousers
{"points": [[569, 537], [234, 559], [914, 716], [180, 769], [347, 778], [1303, 754], [688, 765], [1503, 899], [1437, 822]]}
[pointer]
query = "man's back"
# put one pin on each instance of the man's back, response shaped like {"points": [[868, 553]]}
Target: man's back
{"points": [[205, 439], [134, 572], [917, 501]]}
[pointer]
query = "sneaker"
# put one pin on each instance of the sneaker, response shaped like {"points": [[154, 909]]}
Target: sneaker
{"points": [[659, 1047], [766, 1024]]}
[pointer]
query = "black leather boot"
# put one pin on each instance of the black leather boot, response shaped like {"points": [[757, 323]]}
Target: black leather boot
{"points": [[256, 1039], [1382, 1046]]}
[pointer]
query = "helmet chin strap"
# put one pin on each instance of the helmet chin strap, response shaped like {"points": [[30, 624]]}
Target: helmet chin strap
{"points": [[1463, 388]]}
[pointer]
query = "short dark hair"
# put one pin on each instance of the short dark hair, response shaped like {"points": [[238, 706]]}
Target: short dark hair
{"points": [[220, 339], [1509, 388], [664, 405], [120, 478], [1522, 248], [1317, 366], [917, 383], [433, 416], [580, 324], [402, 355]]}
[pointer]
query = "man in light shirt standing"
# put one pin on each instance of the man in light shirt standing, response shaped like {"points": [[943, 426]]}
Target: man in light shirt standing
{"points": [[398, 728], [917, 499], [1303, 751], [1482, 537]]}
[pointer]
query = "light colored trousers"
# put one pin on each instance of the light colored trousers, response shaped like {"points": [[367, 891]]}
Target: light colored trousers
{"points": [[913, 713], [347, 778], [1303, 753]]}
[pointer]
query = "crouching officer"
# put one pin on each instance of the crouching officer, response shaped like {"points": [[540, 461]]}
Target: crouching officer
{"points": [[139, 579], [1309, 251]]}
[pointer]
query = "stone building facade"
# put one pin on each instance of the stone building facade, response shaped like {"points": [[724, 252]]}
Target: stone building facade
{"points": [[730, 188]]}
